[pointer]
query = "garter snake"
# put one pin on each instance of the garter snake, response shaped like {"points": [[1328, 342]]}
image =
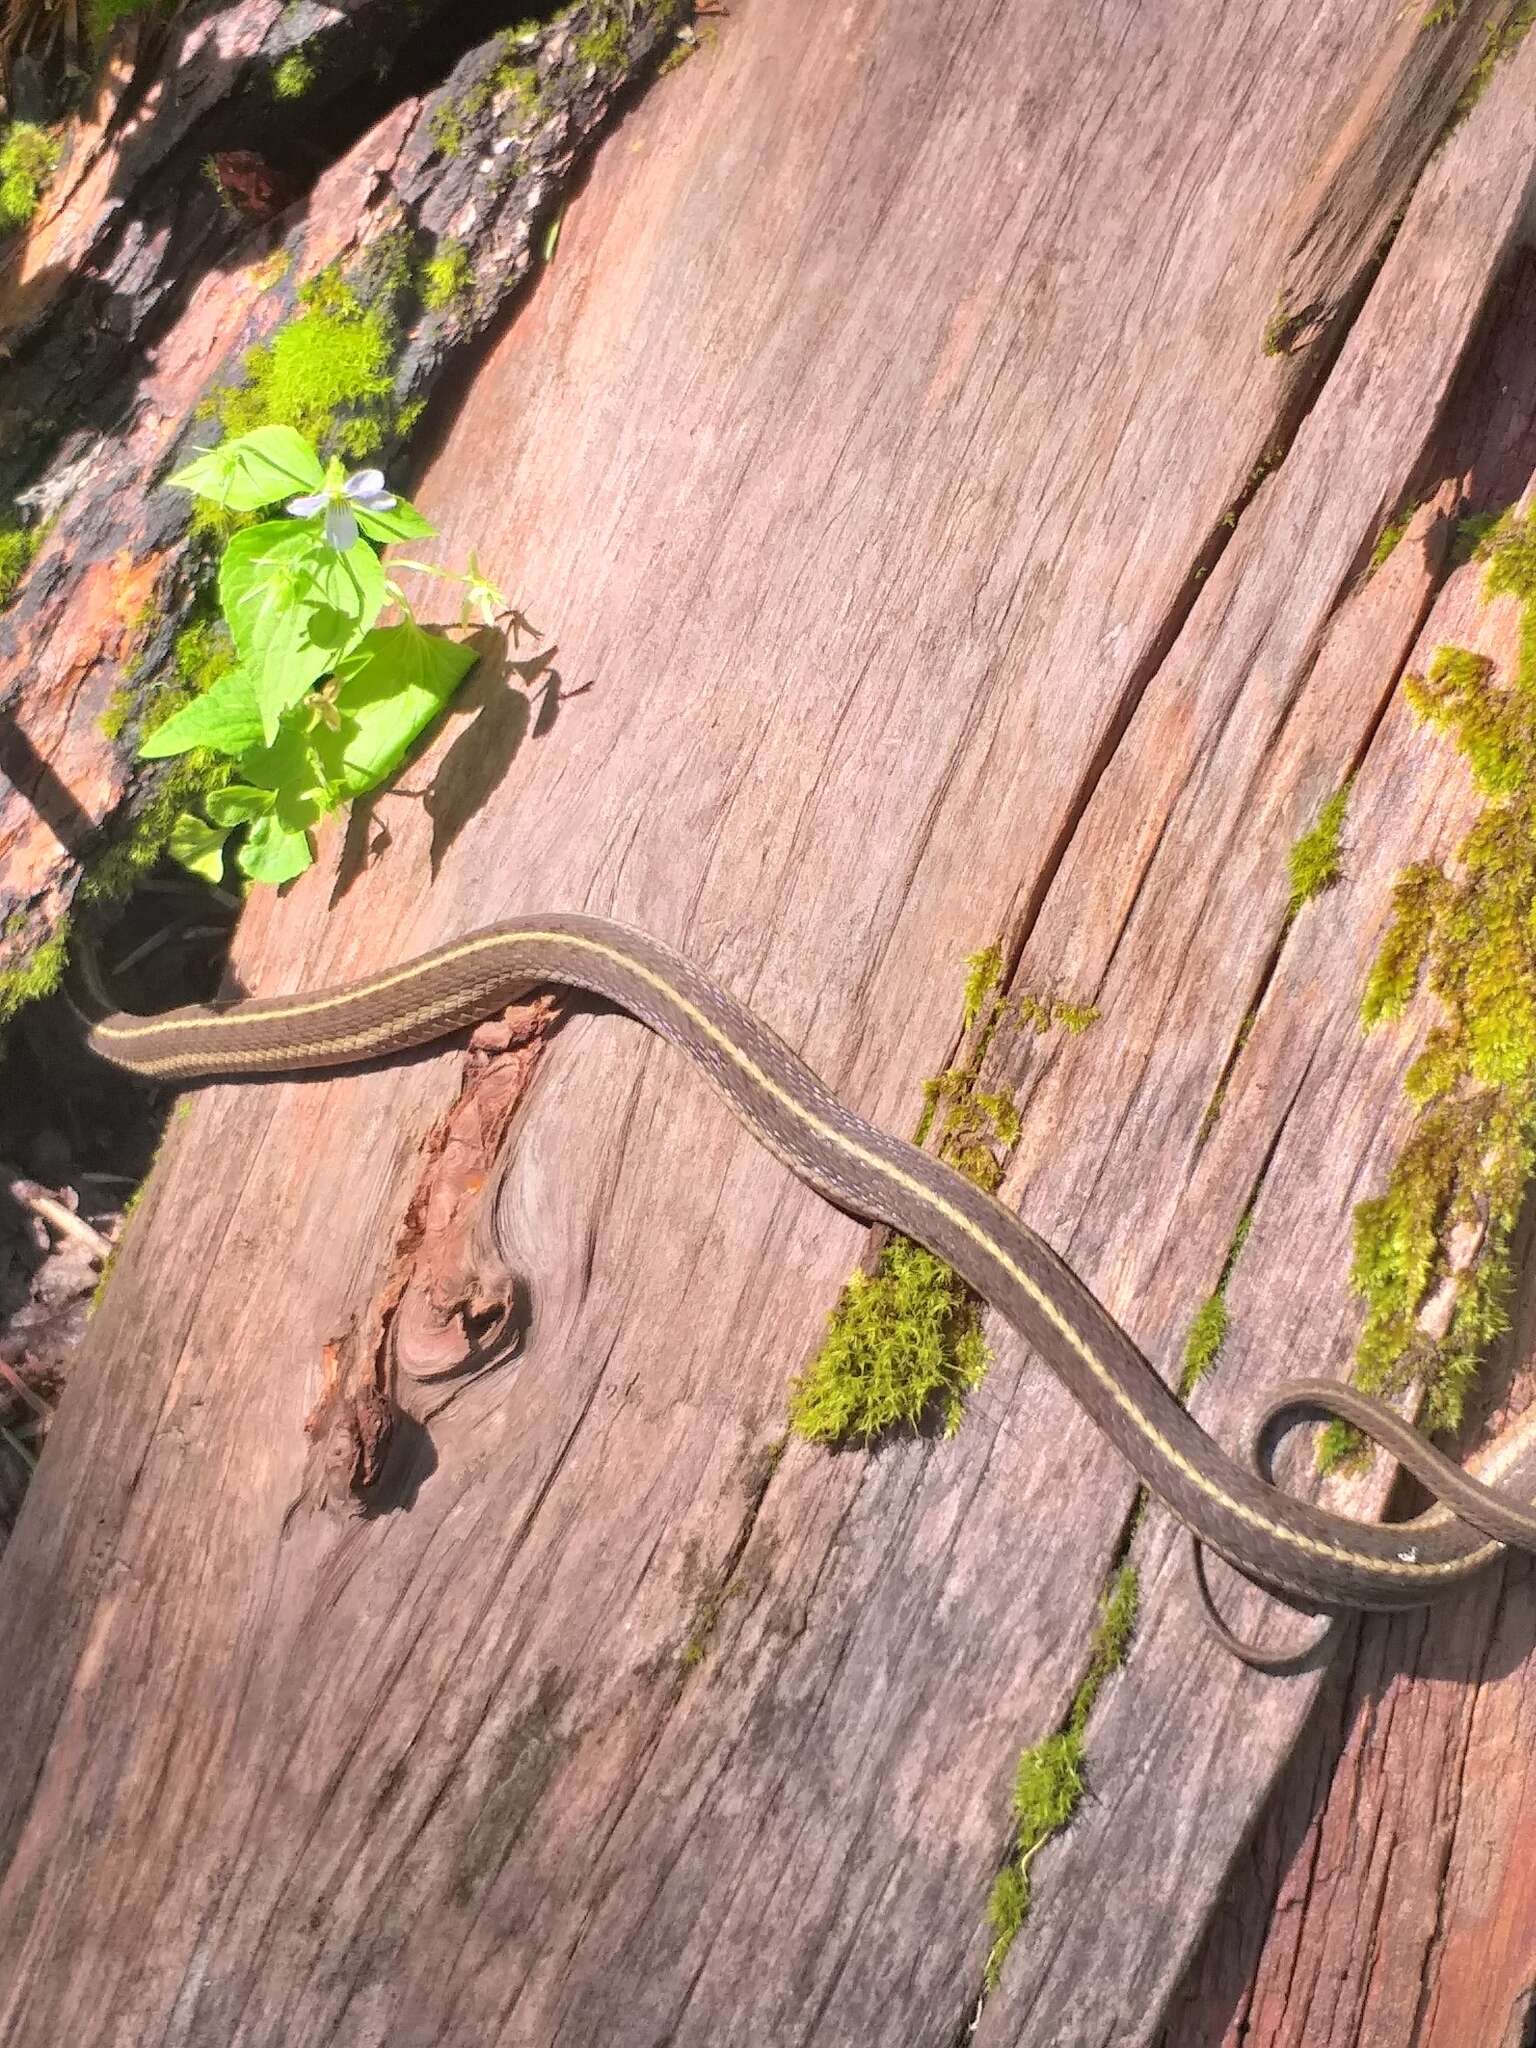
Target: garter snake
{"points": [[1286, 1544]]}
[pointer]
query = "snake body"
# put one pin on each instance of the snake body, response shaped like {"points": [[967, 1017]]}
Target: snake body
{"points": [[1320, 1559]]}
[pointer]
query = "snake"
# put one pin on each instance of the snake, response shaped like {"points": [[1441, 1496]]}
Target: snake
{"points": [[1309, 1556]]}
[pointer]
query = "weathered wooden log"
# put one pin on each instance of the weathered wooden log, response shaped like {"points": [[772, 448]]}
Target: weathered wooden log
{"points": [[882, 447], [166, 253]]}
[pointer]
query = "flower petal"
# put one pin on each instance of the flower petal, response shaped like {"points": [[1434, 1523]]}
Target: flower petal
{"points": [[375, 501], [340, 526], [362, 483], [307, 506]]}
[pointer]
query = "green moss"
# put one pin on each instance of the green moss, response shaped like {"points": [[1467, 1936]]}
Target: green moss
{"points": [[447, 130], [706, 1620], [604, 46], [903, 1344], [1388, 538], [1442, 14], [328, 372], [1202, 1347], [102, 16], [115, 875], [37, 976], [521, 82], [1049, 1779], [1471, 532], [509, 79], [1281, 329], [115, 717], [293, 77], [1042, 1013], [1208, 1329], [1501, 40], [983, 972], [28, 157], [1314, 859], [447, 276], [18, 544], [1461, 1177]]}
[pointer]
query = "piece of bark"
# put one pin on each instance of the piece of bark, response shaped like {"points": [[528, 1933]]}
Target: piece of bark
{"points": [[870, 490], [141, 287]]}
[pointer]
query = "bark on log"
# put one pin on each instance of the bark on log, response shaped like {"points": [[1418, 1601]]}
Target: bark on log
{"points": [[871, 447], [167, 241]]}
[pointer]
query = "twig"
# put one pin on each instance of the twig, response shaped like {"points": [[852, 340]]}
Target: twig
{"points": [[28, 1394], [53, 1212]]}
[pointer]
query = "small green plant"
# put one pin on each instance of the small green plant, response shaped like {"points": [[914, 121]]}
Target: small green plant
{"points": [[28, 155], [447, 276], [293, 77], [321, 702], [1315, 859], [18, 544], [1388, 538], [1048, 1780], [1432, 1251]]}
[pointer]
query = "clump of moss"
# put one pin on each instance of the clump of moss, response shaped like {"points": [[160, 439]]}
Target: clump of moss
{"points": [[447, 130], [1208, 1329], [1043, 1013], [604, 45], [1315, 860], [1470, 533], [102, 16], [28, 157], [447, 276], [18, 544], [1501, 40], [903, 1344], [37, 976], [983, 972], [508, 78], [1388, 538], [1281, 328], [329, 372], [1441, 1228], [1049, 1778], [293, 77]]}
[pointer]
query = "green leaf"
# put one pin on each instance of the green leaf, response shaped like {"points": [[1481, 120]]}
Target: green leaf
{"points": [[294, 606], [388, 690], [252, 470], [238, 803], [292, 771], [274, 852], [198, 847], [403, 523], [226, 718]]}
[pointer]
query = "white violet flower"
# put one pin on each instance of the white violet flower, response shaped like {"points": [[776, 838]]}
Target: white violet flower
{"points": [[364, 487]]}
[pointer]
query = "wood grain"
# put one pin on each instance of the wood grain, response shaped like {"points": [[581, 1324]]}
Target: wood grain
{"points": [[868, 449]]}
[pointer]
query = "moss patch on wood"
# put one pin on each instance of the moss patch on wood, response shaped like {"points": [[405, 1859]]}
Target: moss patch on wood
{"points": [[1208, 1329], [1388, 538], [18, 544], [1315, 858], [330, 371], [28, 158], [1431, 1252], [904, 1345], [1049, 1778]]}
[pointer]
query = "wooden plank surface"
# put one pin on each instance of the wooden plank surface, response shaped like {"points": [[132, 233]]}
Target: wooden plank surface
{"points": [[863, 452]]}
